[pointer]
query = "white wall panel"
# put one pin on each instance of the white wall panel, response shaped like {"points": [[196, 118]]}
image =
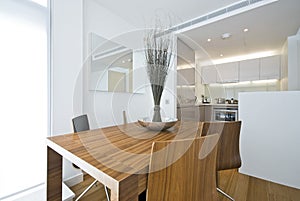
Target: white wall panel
{"points": [[270, 136], [66, 68]]}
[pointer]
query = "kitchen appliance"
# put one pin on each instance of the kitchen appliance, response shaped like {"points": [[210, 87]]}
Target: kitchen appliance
{"points": [[205, 99], [220, 100], [225, 114], [231, 101]]}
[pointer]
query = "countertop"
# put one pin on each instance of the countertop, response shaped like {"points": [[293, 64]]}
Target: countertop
{"points": [[206, 104]]}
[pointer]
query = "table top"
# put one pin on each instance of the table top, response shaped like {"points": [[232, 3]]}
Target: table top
{"points": [[114, 153]]}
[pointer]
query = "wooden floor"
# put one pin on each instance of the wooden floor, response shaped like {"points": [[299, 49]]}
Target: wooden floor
{"points": [[241, 187]]}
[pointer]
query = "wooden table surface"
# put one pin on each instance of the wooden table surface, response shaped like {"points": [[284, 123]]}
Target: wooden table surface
{"points": [[117, 156]]}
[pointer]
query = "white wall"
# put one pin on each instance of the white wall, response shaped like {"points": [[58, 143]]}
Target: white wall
{"points": [[105, 108], [66, 68], [294, 62], [270, 136]]}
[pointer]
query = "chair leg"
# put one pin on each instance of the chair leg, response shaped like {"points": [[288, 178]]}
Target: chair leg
{"points": [[89, 187], [86, 190], [225, 194], [107, 195]]}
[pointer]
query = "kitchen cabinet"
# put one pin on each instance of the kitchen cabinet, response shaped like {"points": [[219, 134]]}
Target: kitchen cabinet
{"points": [[228, 72], [260, 69], [209, 74], [207, 110], [202, 112], [186, 76], [195, 113], [249, 70], [221, 73], [208, 113], [190, 112], [270, 67]]}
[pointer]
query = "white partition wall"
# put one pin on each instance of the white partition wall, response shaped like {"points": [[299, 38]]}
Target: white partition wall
{"points": [[270, 136]]}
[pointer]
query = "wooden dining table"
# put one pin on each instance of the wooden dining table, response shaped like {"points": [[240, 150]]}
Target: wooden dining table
{"points": [[116, 156]]}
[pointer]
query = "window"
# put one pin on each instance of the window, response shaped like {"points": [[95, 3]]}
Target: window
{"points": [[23, 102]]}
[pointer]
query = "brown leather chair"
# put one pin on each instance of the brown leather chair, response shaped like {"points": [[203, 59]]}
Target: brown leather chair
{"points": [[228, 155], [191, 176]]}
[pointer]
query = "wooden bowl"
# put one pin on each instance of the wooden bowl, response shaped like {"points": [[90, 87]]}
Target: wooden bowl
{"points": [[158, 126]]}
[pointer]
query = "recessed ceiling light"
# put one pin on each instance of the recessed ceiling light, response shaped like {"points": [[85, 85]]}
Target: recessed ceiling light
{"points": [[246, 30], [123, 62], [208, 40], [221, 55]]}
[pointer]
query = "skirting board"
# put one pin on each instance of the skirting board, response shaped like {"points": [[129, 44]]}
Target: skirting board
{"points": [[39, 193], [72, 181], [35, 193]]}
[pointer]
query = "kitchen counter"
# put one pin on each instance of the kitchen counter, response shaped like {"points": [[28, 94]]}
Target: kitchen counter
{"points": [[201, 111], [215, 104], [206, 104], [186, 105]]}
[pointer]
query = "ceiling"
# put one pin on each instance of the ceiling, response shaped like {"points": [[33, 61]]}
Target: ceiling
{"points": [[269, 25], [141, 13]]}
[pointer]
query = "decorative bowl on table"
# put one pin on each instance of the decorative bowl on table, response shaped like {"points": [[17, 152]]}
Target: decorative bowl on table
{"points": [[157, 126]]}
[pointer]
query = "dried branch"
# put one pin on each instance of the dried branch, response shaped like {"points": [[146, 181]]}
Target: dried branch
{"points": [[159, 48]]}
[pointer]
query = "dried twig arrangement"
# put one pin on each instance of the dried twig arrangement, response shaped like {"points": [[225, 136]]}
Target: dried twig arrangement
{"points": [[159, 48]]}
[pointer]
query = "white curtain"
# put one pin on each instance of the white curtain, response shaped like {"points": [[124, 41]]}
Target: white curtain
{"points": [[23, 100]]}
